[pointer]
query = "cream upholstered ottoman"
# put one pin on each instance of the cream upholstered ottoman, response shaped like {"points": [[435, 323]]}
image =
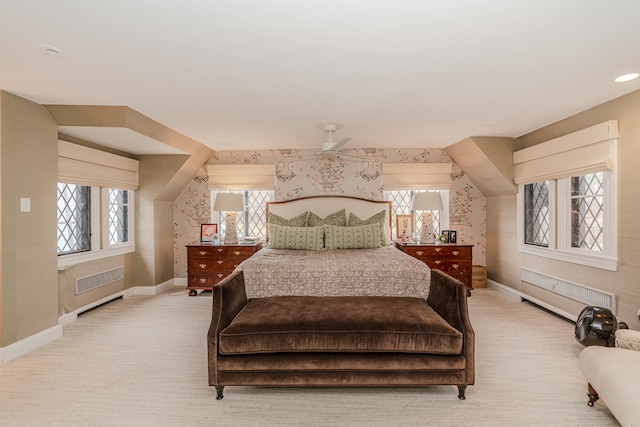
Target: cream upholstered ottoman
{"points": [[614, 375]]}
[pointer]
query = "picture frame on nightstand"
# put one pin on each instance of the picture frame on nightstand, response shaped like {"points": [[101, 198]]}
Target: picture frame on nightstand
{"points": [[207, 232], [404, 223]]}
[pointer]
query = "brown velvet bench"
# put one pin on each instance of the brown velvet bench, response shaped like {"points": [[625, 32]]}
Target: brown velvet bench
{"points": [[344, 341]]}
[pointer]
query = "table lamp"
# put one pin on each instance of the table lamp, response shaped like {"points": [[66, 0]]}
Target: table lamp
{"points": [[230, 203], [427, 202]]}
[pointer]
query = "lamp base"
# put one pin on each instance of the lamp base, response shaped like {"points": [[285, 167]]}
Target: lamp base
{"points": [[427, 235], [231, 236]]}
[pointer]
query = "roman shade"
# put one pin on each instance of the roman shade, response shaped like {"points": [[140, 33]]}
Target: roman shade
{"points": [[82, 165], [241, 177], [416, 176], [586, 151]]}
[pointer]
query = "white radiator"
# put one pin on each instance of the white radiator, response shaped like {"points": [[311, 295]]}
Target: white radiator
{"points": [[574, 291], [85, 284]]}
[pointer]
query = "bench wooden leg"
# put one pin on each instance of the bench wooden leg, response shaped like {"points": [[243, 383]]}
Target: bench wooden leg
{"points": [[461, 391], [219, 390], [592, 394]]}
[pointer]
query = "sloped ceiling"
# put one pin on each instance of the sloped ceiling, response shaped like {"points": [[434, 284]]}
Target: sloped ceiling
{"points": [[488, 162]]}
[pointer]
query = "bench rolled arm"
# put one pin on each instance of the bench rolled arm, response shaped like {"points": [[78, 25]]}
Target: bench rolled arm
{"points": [[448, 297], [229, 298]]}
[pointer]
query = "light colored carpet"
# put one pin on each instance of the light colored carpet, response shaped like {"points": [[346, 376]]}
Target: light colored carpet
{"points": [[142, 361]]}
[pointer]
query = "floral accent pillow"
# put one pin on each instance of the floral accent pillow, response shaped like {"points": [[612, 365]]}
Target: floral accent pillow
{"points": [[357, 237], [283, 237], [337, 218], [296, 221], [378, 218]]}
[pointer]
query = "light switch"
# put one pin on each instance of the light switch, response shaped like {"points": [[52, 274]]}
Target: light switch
{"points": [[25, 204]]}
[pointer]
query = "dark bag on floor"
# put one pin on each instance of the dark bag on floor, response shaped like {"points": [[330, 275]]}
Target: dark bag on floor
{"points": [[596, 326]]}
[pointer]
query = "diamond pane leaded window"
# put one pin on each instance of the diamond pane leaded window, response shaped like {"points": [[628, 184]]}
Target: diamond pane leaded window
{"points": [[73, 218], [587, 213], [118, 218], [253, 221], [536, 214], [401, 204]]}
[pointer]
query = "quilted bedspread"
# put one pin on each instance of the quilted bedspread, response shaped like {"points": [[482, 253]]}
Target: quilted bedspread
{"points": [[384, 271]]}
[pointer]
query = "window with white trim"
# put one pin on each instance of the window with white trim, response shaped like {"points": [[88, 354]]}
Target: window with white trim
{"points": [[401, 204], [571, 219], [567, 197], [536, 214], [93, 221], [253, 221], [117, 216], [74, 218]]}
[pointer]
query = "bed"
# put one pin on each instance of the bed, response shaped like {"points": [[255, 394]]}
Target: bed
{"points": [[349, 269], [331, 302]]}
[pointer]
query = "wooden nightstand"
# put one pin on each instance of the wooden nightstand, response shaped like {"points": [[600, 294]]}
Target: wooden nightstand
{"points": [[454, 259], [209, 264]]}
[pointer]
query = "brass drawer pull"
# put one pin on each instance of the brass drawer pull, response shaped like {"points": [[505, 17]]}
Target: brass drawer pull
{"points": [[219, 261], [419, 253], [438, 249], [220, 275], [235, 265], [203, 280], [220, 249], [202, 265], [455, 265], [237, 253], [202, 252], [437, 262], [456, 253]]}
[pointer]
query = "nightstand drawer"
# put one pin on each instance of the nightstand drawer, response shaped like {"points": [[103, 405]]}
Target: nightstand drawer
{"points": [[213, 265], [438, 251], [233, 252], [449, 265]]}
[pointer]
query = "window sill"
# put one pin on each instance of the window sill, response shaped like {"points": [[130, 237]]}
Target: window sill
{"points": [[66, 261], [601, 262]]}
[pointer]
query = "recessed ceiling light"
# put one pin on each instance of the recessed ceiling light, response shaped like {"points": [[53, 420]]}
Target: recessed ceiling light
{"points": [[52, 51], [627, 77]]}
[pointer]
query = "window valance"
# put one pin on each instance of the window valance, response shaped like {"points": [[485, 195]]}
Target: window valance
{"points": [[417, 176], [586, 151], [241, 177], [82, 165]]}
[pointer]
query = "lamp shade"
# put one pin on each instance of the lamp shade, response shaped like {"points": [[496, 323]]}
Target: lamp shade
{"points": [[427, 201], [229, 202]]}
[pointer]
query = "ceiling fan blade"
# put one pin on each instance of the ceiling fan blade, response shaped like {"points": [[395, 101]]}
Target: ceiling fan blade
{"points": [[343, 155], [340, 144]]}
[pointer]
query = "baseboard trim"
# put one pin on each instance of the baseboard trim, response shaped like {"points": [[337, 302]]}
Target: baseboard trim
{"points": [[510, 291], [26, 345]]}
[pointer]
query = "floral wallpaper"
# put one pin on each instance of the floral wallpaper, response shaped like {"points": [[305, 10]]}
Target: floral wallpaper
{"points": [[301, 174]]}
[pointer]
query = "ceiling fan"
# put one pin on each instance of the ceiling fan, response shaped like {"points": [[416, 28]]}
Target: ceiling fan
{"points": [[331, 147]]}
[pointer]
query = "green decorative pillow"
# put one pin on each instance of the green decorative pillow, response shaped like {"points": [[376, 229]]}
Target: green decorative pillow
{"points": [[357, 237], [378, 218], [337, 218], [296, 221], [283, 237]]}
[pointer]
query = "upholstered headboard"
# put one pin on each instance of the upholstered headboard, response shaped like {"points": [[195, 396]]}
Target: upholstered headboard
{"points": [[326, 205]]}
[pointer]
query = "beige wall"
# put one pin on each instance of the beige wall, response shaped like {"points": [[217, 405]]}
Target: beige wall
{"points": [[33, 293], [503, 260], [28, 169], [68, 301], [154, 219]]}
